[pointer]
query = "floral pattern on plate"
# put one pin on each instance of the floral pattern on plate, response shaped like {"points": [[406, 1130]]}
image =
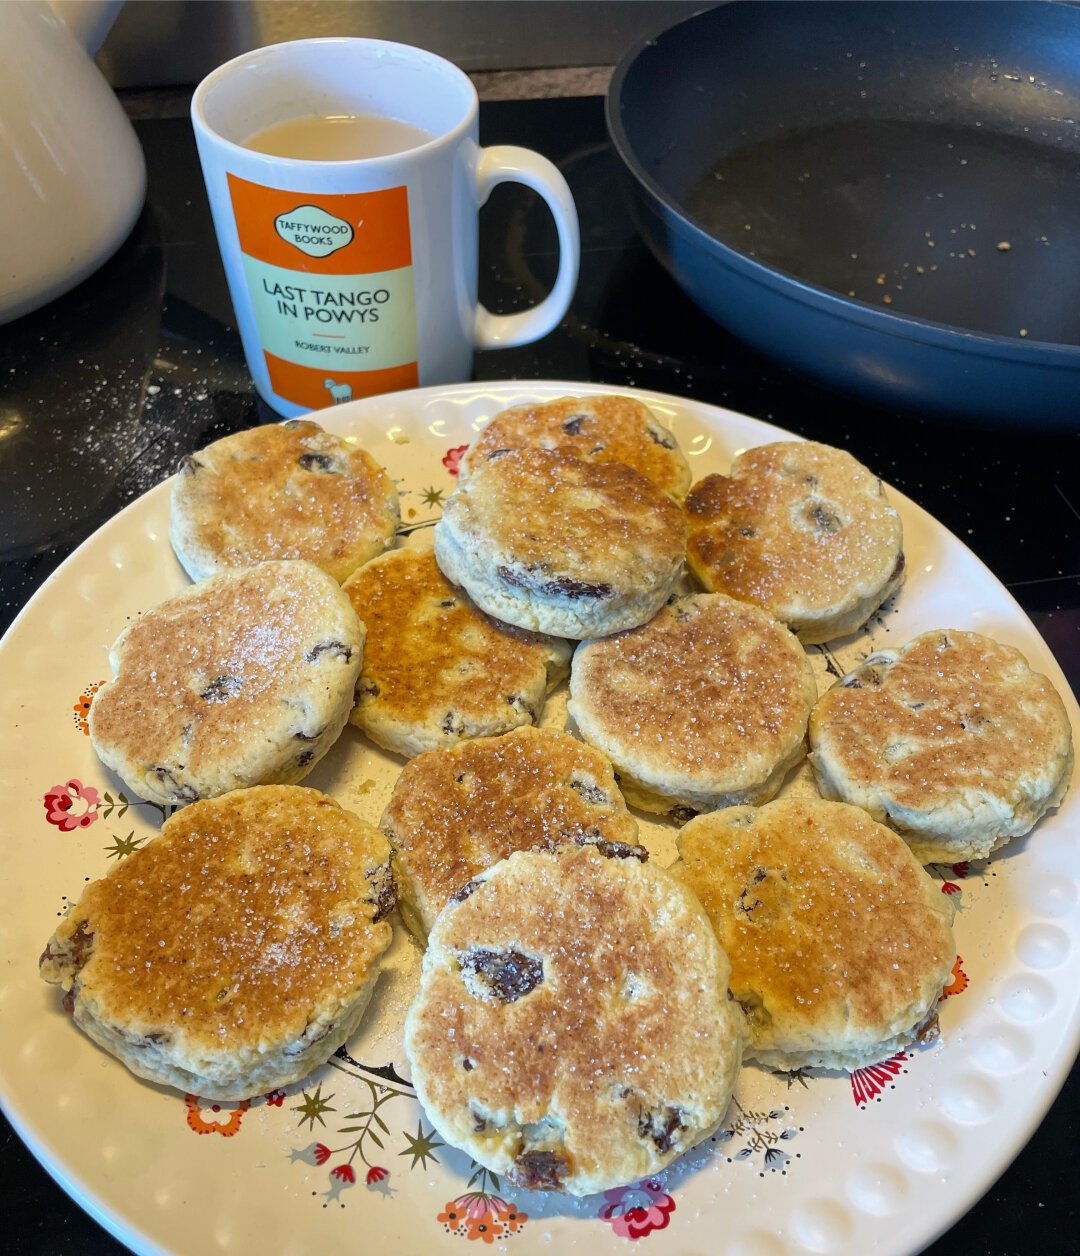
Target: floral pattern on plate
{"points": [[74, 823]]}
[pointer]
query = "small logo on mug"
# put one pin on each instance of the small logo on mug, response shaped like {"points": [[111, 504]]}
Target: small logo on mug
{"points": [[313, 231]]}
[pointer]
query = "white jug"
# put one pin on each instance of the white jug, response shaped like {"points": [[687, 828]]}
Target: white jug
{"points": [[72, 173]]}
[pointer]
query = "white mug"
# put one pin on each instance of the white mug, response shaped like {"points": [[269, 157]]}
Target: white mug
{"points": [[355, 277]]}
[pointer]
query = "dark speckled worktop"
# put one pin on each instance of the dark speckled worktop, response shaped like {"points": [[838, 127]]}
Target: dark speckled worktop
{"points": [[102, 391]]}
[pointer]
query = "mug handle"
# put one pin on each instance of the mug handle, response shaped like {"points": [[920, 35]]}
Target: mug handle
{"points": [[506, 163]]}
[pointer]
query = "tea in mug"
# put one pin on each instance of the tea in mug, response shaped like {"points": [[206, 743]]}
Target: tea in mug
{"points": [[337, 137]]}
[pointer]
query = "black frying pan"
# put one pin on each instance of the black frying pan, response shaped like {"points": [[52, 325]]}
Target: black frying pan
{"points": [[885, 195]]}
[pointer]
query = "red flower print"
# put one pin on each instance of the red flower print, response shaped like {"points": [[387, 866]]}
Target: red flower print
{"points": [[275, 1098], [452, 458], [376, 1174], [945, 873], [635, 1211], [72, 805], [867, 1083], [314, 1153], [342, 1176], [959, 981]]}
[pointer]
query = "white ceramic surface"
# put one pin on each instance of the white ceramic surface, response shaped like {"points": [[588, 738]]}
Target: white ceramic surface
{"points": [[72, 174], [446, 181], [343, 1162]]}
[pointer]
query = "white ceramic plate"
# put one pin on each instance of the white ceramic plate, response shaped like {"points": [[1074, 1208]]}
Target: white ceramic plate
{"points": [[345, 1161]]}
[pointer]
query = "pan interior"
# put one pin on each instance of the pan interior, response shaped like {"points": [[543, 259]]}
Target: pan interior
{"points": [[924, 158], [962, 225]]}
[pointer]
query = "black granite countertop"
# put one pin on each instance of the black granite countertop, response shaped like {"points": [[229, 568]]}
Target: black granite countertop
{"points": [[102, 391]]}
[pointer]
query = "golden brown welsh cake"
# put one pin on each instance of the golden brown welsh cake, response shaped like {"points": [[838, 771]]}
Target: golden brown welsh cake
{"points": [[284, 490], [705, 706], [236, 951], [245, 678], [544, 540], [840, 944], [573, 1029], [455, 812], [436, 669], [801, 529], [952, 740], [601, 429]]}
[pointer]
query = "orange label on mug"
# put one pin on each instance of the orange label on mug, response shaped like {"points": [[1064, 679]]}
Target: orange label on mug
{"points": [[331, 281], [311, 387]]}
